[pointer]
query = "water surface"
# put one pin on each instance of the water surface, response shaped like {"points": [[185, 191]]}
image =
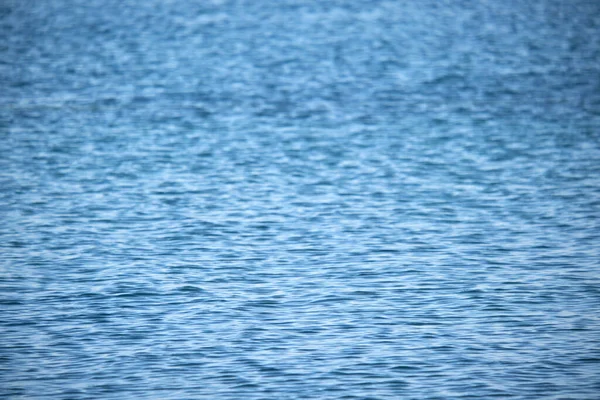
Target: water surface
{"points": [[299, 200]]}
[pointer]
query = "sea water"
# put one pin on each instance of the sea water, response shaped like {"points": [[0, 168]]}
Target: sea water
{"points": [[299, 199]]}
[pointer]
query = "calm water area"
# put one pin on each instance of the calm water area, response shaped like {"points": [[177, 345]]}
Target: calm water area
{"points": [[265, 200]]}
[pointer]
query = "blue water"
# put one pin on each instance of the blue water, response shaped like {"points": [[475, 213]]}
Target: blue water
{"points": [[299, 199]]}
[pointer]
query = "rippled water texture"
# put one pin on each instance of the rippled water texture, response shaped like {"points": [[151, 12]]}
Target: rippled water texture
{"points": [[299, 199]]}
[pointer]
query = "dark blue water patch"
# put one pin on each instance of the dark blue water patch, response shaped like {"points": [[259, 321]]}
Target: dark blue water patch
{"points": [[342, 200]]}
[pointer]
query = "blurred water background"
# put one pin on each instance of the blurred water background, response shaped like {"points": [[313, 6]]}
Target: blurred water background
{"points": [[230, 199]]}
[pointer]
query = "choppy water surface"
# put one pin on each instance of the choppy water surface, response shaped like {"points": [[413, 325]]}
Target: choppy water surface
{"points": [[300, 199]]}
